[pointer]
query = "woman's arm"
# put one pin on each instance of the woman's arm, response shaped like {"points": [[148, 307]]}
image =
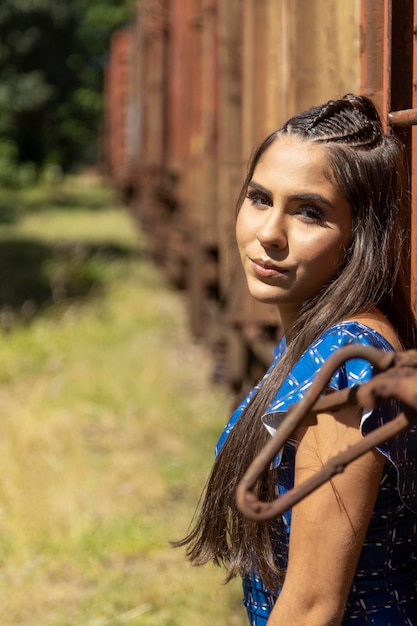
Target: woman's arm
{"points": [[329, 526]]}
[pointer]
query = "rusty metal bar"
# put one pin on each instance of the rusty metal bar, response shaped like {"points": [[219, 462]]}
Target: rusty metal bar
{"points": [[387, 62], [372, 50], [398, 380], [407, 117], [413, 217]]}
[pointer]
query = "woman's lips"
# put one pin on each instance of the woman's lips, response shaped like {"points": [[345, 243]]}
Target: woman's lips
{"points": [[266, 269]]}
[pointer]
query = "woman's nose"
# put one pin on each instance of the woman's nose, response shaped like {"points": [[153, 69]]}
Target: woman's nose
{"points": [[273, 232]]}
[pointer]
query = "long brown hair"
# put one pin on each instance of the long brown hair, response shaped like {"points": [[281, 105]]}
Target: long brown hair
{"points": [[369, 169]]}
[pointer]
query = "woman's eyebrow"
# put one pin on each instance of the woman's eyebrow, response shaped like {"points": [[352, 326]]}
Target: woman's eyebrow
{"points": [[259, 187], [314, 197], [311, 197]]}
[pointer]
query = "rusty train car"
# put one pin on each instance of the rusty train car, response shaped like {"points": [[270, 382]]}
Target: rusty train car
{"points": [[192, 86]]}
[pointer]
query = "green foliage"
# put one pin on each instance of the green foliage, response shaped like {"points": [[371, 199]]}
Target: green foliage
{"points": [[12, 173], [52, 55]]}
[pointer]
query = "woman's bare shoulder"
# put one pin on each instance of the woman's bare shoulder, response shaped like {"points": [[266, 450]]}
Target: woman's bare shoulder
{"points": [[378, 322]]}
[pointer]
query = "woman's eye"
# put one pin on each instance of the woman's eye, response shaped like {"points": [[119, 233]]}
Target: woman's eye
{"points": [[312, 213], [258, 199]]}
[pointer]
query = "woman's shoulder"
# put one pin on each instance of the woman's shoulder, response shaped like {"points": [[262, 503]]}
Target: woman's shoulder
{"points": [[351, 373], [341, 334], [375, 324], [365, 331]]}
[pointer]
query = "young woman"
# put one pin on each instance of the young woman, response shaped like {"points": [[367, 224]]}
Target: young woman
{"points": [[320, 236]]}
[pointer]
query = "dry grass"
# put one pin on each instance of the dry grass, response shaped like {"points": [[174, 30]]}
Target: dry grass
{"points": [[106, 437]]}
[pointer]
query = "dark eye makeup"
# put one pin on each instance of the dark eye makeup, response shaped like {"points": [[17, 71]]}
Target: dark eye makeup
{"points": [[258, 197], [311, 212], [311, 207]]}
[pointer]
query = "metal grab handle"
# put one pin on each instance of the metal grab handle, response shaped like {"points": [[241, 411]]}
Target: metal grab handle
{"points": [[398, 380]]}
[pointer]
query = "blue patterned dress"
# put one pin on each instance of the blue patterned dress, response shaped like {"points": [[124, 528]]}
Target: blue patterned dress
{"points": [[384, 589]]}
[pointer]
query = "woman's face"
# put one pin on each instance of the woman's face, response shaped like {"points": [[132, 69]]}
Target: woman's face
{"points": [[294, 225]]}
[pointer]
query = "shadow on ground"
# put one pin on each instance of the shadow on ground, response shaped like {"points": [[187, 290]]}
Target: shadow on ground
{"points": [[13, 204], [35, 275]]}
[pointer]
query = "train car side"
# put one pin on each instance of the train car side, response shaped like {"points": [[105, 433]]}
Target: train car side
{"points": [[208, 79]]}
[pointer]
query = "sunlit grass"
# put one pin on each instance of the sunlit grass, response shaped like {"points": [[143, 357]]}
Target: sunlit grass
{"points": [[78, 209], [106, 437]]}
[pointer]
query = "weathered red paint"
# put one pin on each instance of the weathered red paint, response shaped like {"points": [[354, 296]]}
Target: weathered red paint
{"points": [[207, 80], [117, 98]]}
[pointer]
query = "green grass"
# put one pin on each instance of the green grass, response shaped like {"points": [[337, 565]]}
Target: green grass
{"points": [[107, 431]]}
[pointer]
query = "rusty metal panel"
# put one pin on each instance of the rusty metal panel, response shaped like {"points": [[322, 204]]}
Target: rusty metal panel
{"points": [[181, 22], [254, 73], [117, 90], [213, 77], [389, 62], [229, 138], [392, 80], [401, 54], [152, 18], [372, 50], [207, 218], [401, 97], [208, 80], [294, 54], [326, 65], [413, 220]]}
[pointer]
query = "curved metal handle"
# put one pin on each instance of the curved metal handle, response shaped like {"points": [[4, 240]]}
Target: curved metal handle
{"points": [[366, 395]]}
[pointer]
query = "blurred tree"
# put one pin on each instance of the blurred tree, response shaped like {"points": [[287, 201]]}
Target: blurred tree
{"points": [[52, 54]]}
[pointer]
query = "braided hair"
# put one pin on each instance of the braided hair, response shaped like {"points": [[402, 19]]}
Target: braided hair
{"points": [[368, 167], [358, 125]]}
